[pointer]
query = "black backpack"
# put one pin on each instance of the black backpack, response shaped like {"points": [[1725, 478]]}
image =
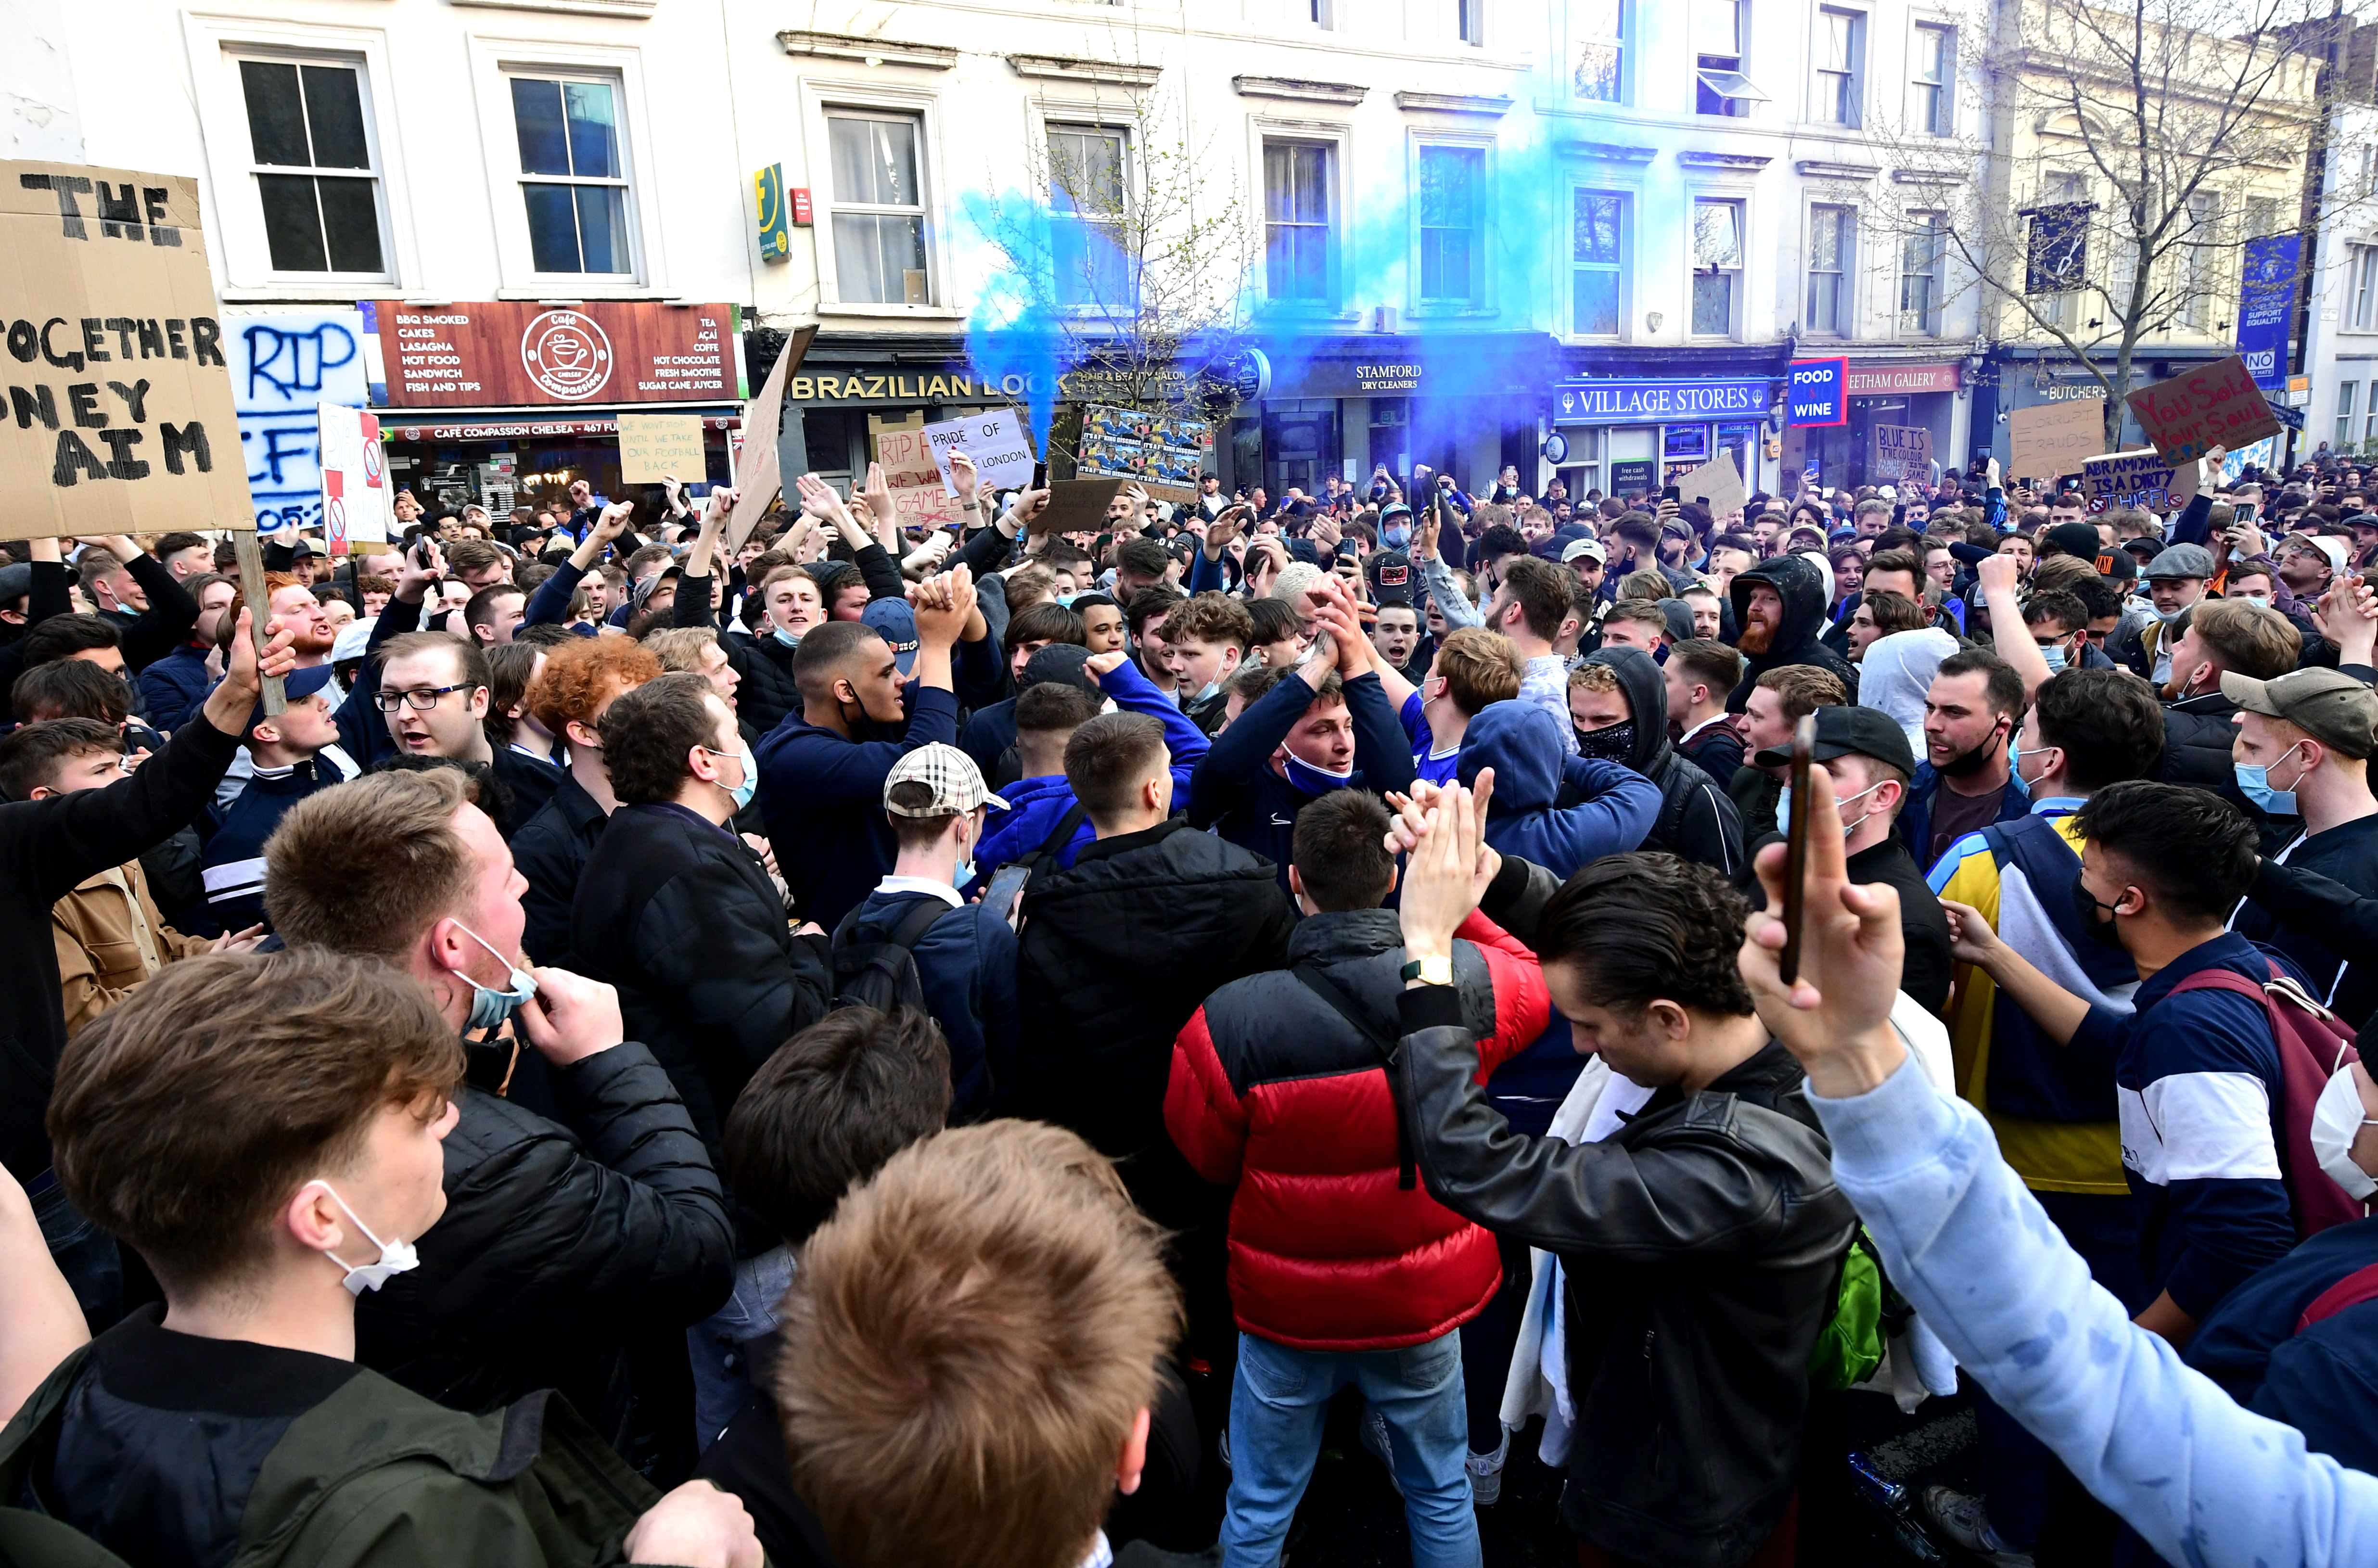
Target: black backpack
{"points": [[882, 974]]}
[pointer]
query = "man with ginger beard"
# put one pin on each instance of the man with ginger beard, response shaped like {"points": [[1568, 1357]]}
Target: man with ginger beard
{"points": [[1780, 604], [293, 604]]}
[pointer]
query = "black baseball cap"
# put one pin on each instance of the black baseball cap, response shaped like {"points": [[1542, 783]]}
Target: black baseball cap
{"points": [[1852, 731], [1391, 576]]}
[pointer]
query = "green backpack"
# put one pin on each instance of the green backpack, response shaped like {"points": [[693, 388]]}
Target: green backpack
{"points": [[1851, 1345]]}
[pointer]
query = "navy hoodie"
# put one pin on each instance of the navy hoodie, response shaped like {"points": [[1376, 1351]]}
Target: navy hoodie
{"points": [[1697, 820], [1522, 744], [1235, 792]]}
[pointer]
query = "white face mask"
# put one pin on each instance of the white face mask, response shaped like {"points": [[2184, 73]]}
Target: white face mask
{"points": [[2336, 1120], [395, 1256], [1784, 807]]}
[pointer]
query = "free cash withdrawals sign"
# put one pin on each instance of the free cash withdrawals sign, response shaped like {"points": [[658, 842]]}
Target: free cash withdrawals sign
{"points": [[119, 398]]}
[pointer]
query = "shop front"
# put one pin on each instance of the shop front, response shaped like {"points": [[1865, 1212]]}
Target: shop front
{"points": [[1904, 417], [1462, 403], [503, 403], [1630, 434], [2015, 377], [851, 387]]}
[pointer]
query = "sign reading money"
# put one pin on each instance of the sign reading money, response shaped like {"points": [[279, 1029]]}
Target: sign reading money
{"points": [[119, 398]]}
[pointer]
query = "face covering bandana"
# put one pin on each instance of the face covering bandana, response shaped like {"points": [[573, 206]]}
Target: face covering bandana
{"points": [[2336, 1120], [1611, 742], [1313, 780], [2254, 782], [1973, 761], [490, 1007], [395, 1256], [2085, 905]]}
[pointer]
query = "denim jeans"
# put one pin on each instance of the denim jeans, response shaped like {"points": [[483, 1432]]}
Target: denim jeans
{"points": [[719, 1345], [1277, 1406]]}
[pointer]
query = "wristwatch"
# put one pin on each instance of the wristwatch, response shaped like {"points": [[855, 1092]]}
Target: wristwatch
{"points": [[1434, 970]]}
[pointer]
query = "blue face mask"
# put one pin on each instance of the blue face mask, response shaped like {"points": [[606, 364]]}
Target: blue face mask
{"points": [[2054, 654], [489, 1007], [787, 638], [1395, 538], [741, 792], [1208, 691], [2255, 783], [1313, 780], [1067, 599]]}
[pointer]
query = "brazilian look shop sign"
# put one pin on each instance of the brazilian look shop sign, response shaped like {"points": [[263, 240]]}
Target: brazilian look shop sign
{"points": [[119, 401]]}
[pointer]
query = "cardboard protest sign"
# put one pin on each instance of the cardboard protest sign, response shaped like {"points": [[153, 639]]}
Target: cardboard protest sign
{"points": [[1717, 483], [1077, 505], [2126, 479], [761, 477], [118, 395], [919, 498], [1896, 453], [2051, 440], [995, 440], [655, 446], [2216, 406], [356, 505]]}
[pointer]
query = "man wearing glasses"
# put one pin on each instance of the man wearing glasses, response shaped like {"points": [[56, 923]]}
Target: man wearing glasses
{"points": [[433, 693]]}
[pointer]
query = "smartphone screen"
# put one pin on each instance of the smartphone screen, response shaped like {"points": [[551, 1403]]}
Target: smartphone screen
{"points": [[1006, 889], [1796, 848]]}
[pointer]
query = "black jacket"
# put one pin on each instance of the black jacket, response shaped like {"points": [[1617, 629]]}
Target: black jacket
{"points": [[1923, 971], [1701, 1245], [2197, 732], [1798, 641], [765, 666], [531, 782], [1697, 820], [1117, 953], [679, 915], [558, 1241], [46, 848], [551, 852]]}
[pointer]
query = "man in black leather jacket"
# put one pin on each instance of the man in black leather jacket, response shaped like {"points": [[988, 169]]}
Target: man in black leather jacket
{"points": [[564, 1241], [1701, 1240]]}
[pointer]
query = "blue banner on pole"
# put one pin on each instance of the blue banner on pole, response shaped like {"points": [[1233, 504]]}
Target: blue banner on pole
{"points": [[2266, 306]]}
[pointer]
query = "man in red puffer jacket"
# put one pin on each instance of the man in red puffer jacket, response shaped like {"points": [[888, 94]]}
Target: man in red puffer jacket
{"points": [[1343, 1269]]}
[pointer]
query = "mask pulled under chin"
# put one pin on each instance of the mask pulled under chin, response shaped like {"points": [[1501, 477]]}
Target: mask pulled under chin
{"points": [[396, 1256], [1971, 762], [1313, 780]]}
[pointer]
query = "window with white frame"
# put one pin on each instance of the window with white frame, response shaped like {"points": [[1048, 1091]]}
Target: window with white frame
{"points": [[1296, 220], [574, 169], [1089, 200], [2361, 287], [317, 178], [1598, 45], [1450, 247], [1597, 251], [1717, 266], [1932, 87], [2199, 263], [1832, 253], [1720, 40], [2261, 217], [1324, 13], [1920, 248], [878, 207], [1470, 21], [2345, 397], [1838, 89]]}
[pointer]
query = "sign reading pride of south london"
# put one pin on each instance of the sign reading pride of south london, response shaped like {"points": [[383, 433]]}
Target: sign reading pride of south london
{"points": [[995, 440], [119, 416], [495, 353], [1818, 392]]}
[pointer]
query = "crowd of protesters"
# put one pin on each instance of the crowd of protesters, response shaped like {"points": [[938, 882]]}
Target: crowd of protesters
{"points": [[583, 1037]]}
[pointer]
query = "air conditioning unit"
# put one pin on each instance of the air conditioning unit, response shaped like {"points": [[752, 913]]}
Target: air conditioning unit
{"points": [[1382, 318]]}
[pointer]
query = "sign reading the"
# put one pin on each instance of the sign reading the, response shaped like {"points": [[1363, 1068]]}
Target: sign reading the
{"points": [[653, 446], [919, 497], [356, 499], [2219, 405], [1818, 394], [2126, 479], [1001, 452], [497, 352], [2050, 440], [119, 398], [1896, 453]]}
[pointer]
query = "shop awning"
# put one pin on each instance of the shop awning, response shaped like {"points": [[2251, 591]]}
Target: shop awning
{"points": [[537, 424]]}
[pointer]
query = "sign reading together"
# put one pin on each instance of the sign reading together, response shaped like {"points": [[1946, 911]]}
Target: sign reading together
{"points": [[119, 416]]}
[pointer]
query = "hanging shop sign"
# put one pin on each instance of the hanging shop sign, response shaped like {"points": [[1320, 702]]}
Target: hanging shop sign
{"points": [[507, 352]]}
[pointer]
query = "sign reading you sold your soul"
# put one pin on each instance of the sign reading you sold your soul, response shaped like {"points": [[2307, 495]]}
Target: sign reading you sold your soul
{"points": [[119, 414]]}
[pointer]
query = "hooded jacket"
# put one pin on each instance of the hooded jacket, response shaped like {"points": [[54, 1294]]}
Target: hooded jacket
{"points": [[1522, 744], [1697, 821], [1802, 588]]}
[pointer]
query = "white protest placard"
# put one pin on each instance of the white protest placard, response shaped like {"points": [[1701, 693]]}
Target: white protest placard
{"points": [[919, 500], [1717, 483], [995, 440], [2126, 479], [355, 500]]}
